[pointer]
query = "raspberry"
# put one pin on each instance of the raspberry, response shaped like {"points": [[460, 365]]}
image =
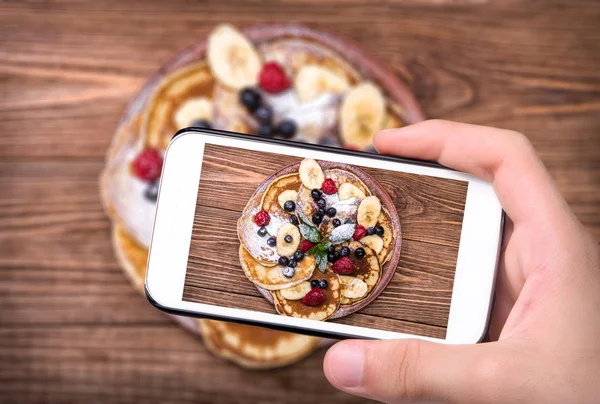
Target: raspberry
{"points": [[262, 218], [359, 232], [305, 245], [343, 266], [314, 298], [273, 79], [148, 165], [329, 187]]}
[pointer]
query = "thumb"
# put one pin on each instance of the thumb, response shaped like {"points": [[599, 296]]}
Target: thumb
{"points": [[412, 370]]}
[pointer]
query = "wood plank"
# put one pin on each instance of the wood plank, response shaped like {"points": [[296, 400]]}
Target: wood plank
{"points": [[145, 363]]}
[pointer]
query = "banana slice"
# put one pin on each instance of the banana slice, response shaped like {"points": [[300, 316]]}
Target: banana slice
{"points": [[368, 211], [311, 174], [287, 248], [232, 57], [296, 292], [362, 114], [374, 242], [348, 190], [352, 288], [287, 195], [193, 110], [312, 81]]}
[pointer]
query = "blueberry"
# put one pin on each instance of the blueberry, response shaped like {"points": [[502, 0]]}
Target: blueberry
{"points": [[359, 252], [323, 284], [331, 212], [348, 221], [294, 220], [298, 256], [317, 218], [330, 257], [321, 212], [288, 239], [336, 222], [345, 251], [151, 191], [370, 230], [289, 272], [262, 231], [271, 241], [202, 124], [338, 255], [322, 203], [286, 128], [289, 206], [314, 284], [250, 98], [264, 114], [316, 194], [283, 261], [379, 230], [292, 263], [331, 248], [265, 130]]}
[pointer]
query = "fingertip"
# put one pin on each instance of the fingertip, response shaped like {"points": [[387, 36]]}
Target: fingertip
{"points": [[344, 364]]}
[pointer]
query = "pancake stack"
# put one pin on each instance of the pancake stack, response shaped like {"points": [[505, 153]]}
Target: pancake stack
{"points": [[316, 241], [268, 80]]}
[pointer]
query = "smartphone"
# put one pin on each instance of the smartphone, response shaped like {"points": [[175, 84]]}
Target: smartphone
{"points": [[321, 241]]}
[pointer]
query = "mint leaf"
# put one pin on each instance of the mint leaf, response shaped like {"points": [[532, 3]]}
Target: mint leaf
{"points": [[319, 248], [342, 233], [310, 233], [321, 258], [304, 218]]}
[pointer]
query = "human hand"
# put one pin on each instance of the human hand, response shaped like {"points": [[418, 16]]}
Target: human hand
{"points": [[544, 326]]}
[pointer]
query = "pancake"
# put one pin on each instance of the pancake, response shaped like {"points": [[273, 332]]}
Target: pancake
{"points": [[132, 257], [295, 308], [286, 183], [122, 194], [271, 278], [307, 205], [247, 230], [367, 269], [255, 347], [165, 114], [389, 237]]}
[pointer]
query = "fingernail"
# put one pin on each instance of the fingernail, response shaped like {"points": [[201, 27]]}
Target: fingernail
{"points": [[347, 364]]}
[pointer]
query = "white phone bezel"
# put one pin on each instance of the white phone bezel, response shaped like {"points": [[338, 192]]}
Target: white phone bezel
{"points": [[167, 263]]}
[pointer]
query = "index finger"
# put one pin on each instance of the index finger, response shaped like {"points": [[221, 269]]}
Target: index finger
{"points": [[505, 158]]}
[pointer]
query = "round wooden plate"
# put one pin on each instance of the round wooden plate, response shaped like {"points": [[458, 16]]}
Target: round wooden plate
{"points": [[370, 66], [389, 268]]}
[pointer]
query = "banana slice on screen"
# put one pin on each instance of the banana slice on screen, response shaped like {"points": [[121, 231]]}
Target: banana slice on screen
{"points": [[288, 240], [353, 288], [311, 174], [362, 114], [368, 211], [348, 190], [296, 292], [312, 81], [233, 59], [287, 195], [374, 242]]}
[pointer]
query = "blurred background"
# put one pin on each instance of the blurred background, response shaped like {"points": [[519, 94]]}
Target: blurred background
{"points": [[72, 328]]}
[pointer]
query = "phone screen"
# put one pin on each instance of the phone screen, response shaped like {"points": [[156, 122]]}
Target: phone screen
{"points": [[325, 241]]}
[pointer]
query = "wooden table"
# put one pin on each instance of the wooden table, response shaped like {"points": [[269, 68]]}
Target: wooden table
{"points": [[71, 327]]}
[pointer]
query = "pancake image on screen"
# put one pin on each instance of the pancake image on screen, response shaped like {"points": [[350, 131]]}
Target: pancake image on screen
{"points": [[271, 80], [323, 242]]}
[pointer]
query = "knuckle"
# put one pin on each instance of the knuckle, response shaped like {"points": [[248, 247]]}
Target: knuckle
{"points": [[518, 141], [407, 383]]}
